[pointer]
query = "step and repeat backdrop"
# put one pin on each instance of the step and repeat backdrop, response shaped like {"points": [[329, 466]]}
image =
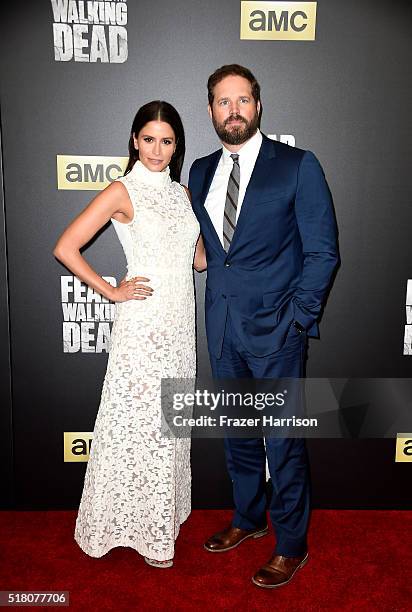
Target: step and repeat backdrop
{"points": [[335, 79]]}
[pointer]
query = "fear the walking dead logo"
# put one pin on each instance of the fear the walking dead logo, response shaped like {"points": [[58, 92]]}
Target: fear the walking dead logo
{"points": [[87, 317], [90, 31]]}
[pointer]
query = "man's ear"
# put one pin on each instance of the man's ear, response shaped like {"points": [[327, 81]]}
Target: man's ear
{"points": [[209, 110], [258, 107]]}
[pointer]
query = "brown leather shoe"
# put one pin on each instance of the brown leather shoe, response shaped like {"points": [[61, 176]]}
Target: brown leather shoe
{"points": [[278, 571], [231, 537]]}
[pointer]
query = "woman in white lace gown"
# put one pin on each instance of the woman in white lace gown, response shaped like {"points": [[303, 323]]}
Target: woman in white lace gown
{"points": [[137, 485]]}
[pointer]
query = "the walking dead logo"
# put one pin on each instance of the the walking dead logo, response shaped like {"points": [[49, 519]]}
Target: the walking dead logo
{"points": [[90, 31], [87, 317]]}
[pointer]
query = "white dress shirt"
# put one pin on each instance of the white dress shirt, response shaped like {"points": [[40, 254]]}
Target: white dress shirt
{"points": [[216, 198]]}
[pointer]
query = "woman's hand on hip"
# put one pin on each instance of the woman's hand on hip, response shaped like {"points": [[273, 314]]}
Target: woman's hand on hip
{"points": [[132, 289]]}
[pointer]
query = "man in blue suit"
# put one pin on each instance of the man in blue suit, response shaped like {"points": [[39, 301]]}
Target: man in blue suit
{"points": [[270, 236]]}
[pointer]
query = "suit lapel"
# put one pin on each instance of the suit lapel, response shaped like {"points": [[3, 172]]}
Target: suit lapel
{"points": [[209, 174], [260, 173]]}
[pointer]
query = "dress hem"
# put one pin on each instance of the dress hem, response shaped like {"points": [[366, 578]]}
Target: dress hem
{"points": [[142, 550]]}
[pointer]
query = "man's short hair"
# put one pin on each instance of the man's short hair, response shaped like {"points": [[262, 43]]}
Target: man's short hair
{"points": [[232, 70]]}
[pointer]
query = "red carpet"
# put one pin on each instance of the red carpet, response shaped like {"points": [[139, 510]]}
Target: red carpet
{"points": [[359, 560]]}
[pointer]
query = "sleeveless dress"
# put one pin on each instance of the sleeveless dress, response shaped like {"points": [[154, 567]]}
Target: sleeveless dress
{"points": [[137, 487]]}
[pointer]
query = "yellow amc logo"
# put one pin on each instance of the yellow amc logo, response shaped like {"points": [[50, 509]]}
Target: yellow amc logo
{"points": [[403, 447], [77, 445], [88, 171], [278, 20]]}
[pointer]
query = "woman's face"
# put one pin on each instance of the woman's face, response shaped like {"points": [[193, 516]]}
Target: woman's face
{"points": [[156, 143]]}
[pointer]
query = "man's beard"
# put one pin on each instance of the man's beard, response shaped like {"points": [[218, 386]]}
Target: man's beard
{"points": [[239, 134]]}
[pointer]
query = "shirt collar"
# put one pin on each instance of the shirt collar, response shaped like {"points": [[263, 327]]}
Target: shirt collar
{"points": [[249, 150]]}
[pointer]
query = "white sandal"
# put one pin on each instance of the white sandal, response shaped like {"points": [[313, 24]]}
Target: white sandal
{"points": [[161, 564]]}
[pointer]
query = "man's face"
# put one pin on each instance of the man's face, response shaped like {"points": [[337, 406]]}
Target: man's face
{"points": [[234, 112]]}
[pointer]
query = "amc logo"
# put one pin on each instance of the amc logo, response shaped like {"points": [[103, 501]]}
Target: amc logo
{"points": [[403, 447], [90, 172], [278, 20], [77, 445]]}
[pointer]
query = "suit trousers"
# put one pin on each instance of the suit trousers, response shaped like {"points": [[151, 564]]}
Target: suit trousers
{"points": [[289, 503]]}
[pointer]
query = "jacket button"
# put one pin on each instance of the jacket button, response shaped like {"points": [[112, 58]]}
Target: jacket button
{"points": [[227, 264]]}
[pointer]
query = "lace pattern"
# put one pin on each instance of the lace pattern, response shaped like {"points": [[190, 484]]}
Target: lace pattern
{"points": [[137, 484]]}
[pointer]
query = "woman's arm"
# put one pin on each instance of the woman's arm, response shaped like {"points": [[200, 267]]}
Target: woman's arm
{"points": [[114, 202], [200, 263]]}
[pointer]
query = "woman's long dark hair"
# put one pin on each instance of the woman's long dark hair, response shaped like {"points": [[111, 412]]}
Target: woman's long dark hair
{"points": [[158, 110]]}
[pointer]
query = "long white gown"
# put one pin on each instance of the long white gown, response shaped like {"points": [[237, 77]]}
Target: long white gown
{"points": [[137, 487]]}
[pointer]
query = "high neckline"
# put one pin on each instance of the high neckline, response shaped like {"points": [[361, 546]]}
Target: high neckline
{"points": [[146, 176]]}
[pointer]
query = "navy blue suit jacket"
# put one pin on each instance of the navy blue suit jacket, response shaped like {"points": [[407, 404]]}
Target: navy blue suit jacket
{"points": [[283, 253]]}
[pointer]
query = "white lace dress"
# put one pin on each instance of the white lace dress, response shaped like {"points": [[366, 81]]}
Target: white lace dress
{"points": [[137, 487]]}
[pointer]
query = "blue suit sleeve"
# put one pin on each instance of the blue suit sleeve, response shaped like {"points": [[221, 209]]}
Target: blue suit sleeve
{"points": [[317, 227]]}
